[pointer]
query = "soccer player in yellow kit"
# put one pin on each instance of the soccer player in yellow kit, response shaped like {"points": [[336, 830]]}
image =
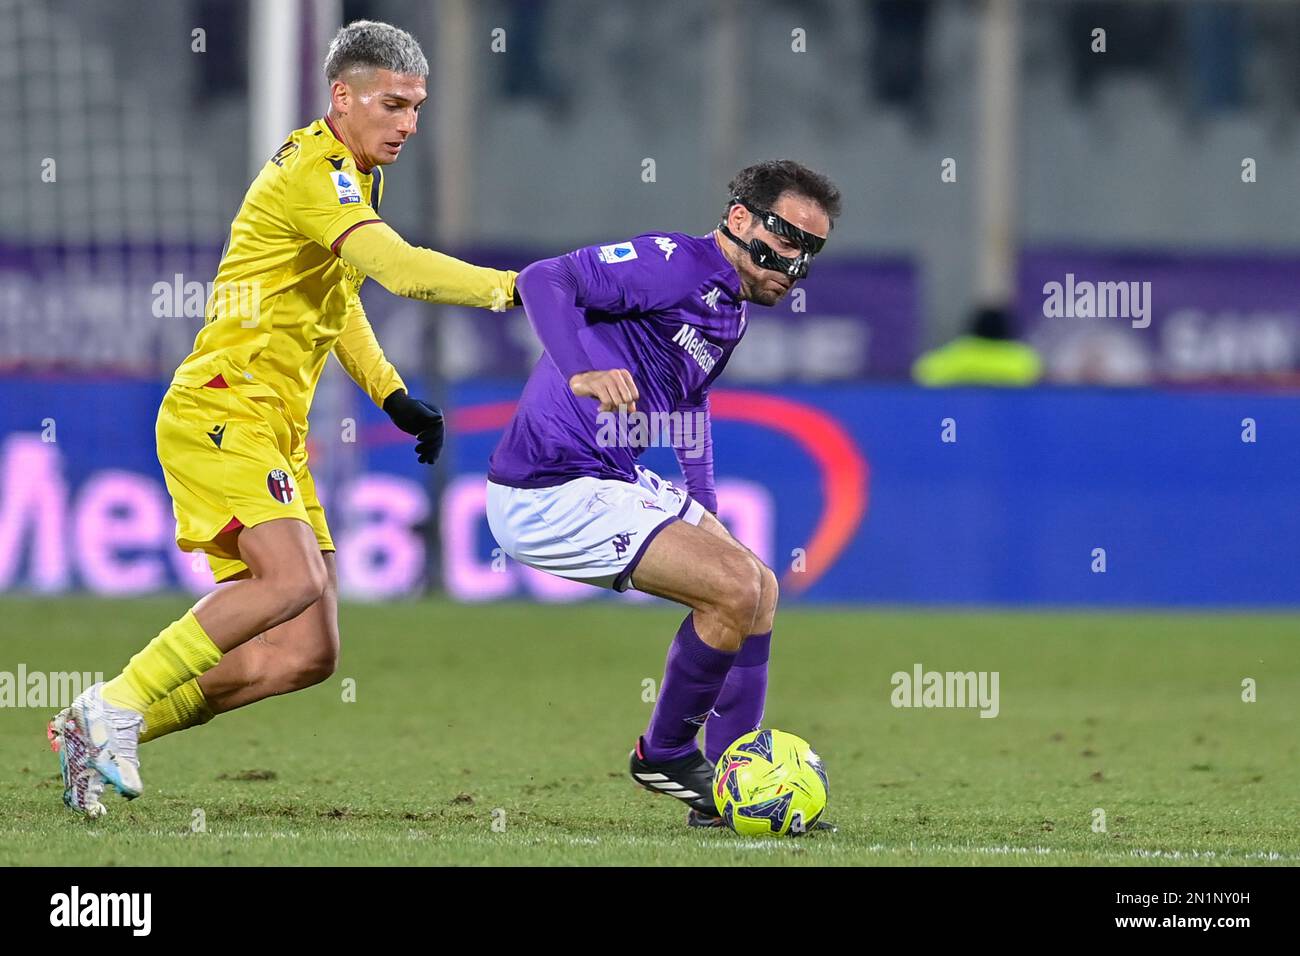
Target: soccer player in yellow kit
{"points": [[232, 427]]}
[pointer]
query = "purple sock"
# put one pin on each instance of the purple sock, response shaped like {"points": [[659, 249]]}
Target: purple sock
{"points": [[740, 705], [693, 678]]}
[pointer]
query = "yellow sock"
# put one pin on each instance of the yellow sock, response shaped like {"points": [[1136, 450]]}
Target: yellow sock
{"points": [[183, 707], [179, 654]]}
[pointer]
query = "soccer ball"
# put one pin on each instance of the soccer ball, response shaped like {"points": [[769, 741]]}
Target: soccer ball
{"points": [[770, 783]]}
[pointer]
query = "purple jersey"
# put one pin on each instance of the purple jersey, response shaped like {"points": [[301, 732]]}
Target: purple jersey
{"points": [[664, 306]]}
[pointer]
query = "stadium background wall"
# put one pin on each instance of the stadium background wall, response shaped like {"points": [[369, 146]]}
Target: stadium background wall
{"points": [[849, 491]]}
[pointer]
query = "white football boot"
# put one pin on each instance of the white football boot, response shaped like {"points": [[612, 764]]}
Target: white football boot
{"points": [[112, 736], [83, 785]]}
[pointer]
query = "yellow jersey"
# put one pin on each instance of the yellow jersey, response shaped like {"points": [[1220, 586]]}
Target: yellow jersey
{"points": [[282, 299]]}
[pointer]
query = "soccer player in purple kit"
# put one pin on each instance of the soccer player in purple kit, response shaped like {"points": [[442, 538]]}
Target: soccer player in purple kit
{"points": [[645, 327]]}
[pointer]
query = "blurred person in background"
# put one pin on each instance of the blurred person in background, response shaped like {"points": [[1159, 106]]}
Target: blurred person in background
{"points": [[987, 355]]}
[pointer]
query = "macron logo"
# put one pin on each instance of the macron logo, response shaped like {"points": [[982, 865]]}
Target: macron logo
{"points": [[133, 910], [704, 352]]}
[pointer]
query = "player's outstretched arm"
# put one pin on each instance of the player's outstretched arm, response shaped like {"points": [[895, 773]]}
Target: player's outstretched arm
{"points": [[419, 273]]}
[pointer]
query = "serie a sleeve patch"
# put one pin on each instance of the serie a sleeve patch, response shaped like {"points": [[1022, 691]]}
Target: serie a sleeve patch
{"points": [[617, 252], [345, 186]]}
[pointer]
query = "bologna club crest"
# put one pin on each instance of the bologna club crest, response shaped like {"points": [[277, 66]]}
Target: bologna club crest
{"points": [[280, 487]]}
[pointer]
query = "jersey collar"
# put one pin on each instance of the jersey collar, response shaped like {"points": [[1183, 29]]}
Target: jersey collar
{"points": [[329, 123], [726, 274]]}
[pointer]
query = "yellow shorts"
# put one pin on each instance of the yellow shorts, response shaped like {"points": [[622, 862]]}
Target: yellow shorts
{"points": [[232, 460]]}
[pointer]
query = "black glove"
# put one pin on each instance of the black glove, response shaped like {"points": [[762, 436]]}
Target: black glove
{"points": [[420, 419]]}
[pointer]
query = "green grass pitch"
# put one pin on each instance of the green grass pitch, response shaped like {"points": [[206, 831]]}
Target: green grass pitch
{"points": [[524, 715]]}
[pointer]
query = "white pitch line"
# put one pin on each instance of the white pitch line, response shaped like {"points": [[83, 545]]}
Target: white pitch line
{"points": [[822, 846]]}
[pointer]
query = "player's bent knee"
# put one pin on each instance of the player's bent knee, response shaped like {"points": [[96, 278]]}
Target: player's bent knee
{"points": [[309, 670], [743, 596], [771, 593]]}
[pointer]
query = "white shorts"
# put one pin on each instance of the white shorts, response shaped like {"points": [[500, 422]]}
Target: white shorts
{"points": [[589, 529]]}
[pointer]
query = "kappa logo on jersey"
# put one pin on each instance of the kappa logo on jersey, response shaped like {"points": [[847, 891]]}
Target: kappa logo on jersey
{"points": [[618, 252], [622, 542], [343, 185], [666, 246], [711, 298], [705, 353], [280, 486]]}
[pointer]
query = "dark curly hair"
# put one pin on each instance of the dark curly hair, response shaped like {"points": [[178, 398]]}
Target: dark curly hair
{"points": [[763, 183]]}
